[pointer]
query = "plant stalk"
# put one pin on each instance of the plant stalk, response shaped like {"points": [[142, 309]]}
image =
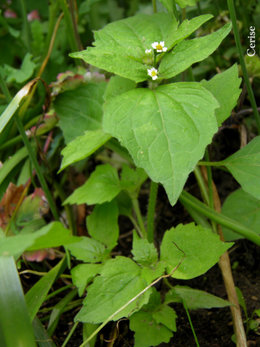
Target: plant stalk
{"points": [[251, 96], [31, 153], [203, 189], [191, 325], [37, 167], [154, 6], [225, 267], [70, 334], [151, 211], [198, 206], [139, 217], [26, 26], [69, 23]]}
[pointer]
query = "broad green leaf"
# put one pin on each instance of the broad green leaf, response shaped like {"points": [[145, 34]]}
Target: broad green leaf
{"points": [[88, 329], [88, 250], [244, 166], [245, 209], [37, 294], [187, 27], [118, 283], [103, 224], [150, 272], [16, 328], [166, 315], [189, 52], [161, 313], [120, 46], [144, 252], [165, 130], [124, 203], [51, 235], [195, 248], [194, 298], [118, 85], [83, 274], [83, 146], [147, 331], [23, 73], [102, 186], [80, 109], [225, 88], [131, 180]]}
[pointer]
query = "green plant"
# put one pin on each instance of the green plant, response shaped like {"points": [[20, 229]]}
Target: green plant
{"points": [[145, 120]]}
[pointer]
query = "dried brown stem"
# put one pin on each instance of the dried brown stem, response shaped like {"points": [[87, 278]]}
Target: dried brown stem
{"points": [[225, 267]]}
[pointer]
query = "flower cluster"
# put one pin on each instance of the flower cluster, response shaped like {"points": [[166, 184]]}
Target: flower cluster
{"points": [[153, 72], [157, 48]]}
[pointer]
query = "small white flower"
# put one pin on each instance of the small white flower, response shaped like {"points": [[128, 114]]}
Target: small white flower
{"points": [[153, 73], [159, 47], [147, 51]]}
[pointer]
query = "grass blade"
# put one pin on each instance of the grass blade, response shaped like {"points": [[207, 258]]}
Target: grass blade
{"points": [[15, 103], [37, 294], [41, 335], [15, 325]]}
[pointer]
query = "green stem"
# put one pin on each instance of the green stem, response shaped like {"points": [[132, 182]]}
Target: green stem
{"points": [[210, 188], [56, 292], [200, 181], [191, 325], [31, 153], [139, 217], [37, 167], [154, 6], [18, 138], [211, 163], [199, 8], [151, 210], [198, 206], [69, 24], [26, 26], [53, 9], [70, 334], [197, 217], [251, 96], [135, 225], [209, 173]]}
